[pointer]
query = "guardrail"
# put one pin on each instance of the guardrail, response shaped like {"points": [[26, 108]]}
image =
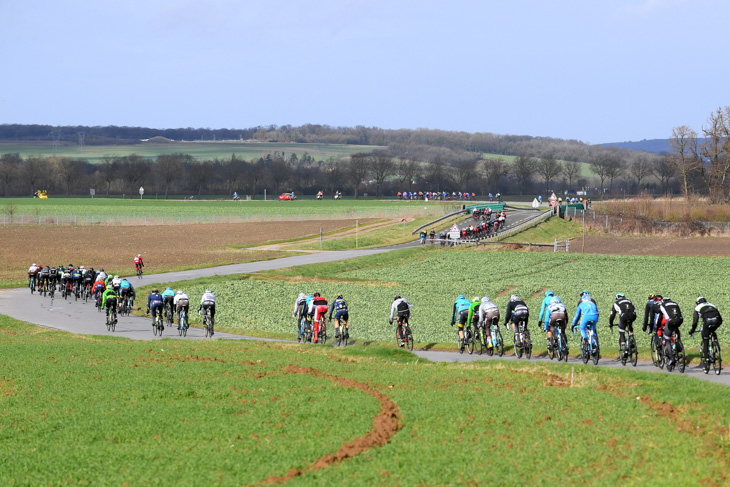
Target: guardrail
{"points": [[504, 234]]}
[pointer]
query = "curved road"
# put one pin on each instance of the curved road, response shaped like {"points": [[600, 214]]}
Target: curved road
{"points": [[82, 318]]}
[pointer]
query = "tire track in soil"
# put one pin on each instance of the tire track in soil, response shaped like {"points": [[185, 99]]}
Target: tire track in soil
{"points": [[385, 425]]}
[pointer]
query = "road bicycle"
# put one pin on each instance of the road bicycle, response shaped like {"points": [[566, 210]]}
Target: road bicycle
{"points": [[628, 352], [139, 272], [158, 325], [677, 357], [562, 341], [657, 352], [306, 329], [466, 342], [713, 355], [523, 343], [31, 284], [207, 323], [480, 338], [43, 287], [98, 302], [403, 335], [87, 292], [322, 331], [111, 319], [182, 323], [168, 314], [342, 337], [497, 341], [589, 347], [126, 307], [52, 289]]}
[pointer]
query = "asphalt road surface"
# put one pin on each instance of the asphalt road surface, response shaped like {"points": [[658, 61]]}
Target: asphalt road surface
{"points": [[83, 318]]}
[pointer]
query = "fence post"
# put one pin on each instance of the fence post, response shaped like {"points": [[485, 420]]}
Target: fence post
{"points": [[555, 245], [567, 245], [606, 222]]}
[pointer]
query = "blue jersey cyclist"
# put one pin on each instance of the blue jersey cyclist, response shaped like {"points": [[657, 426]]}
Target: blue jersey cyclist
{"points": [[168, 297], [154, 304], [339, 308], [542, 317], [460, 313], [586, 316]]}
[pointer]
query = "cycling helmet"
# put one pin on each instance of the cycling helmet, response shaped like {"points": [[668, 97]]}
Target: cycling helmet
{"points": [[117, 277], [208, 291], [461, 296], [168, 287], [658, 297], [620, 296], [139, 255], [155, 291], [556, 300], [651, 296], [35, 264], [475, 299], [179, 292], [700, 300], [583, 293], [81, 268], [317, 295], [549, 293], [585, 296], [302, 296], [397, 297], [514, 297], [339, 296]]}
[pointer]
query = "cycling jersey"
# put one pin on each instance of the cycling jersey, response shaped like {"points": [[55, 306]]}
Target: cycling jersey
{"points": [[709, 313], [339, 306], [625, 310], [109, 298], [516, 311], [460, 305], [556, 312], [33, 270], [488, 310], [401, 307], [587, 313], [542, 317], [208, 299], [474, 311]]}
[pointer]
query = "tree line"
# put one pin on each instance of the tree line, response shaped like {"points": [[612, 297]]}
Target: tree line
{"points": [[377, 173]]}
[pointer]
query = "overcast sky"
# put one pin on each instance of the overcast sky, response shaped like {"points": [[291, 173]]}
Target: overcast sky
{"points": [[592, 70]]}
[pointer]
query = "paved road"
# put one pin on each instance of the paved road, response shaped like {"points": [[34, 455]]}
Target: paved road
{"points": [[82, 318]]}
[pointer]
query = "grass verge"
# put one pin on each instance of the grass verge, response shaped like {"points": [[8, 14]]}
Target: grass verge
{"points": [[96, 410]]}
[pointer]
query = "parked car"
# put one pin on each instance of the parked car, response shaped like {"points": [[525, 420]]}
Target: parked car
{"points": [[287, 196]]}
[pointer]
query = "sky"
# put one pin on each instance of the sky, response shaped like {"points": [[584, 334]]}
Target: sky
{"points": [[590, 70]]}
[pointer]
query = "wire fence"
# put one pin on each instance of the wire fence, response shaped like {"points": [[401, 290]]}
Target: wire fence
{"points": [[631, 225]]}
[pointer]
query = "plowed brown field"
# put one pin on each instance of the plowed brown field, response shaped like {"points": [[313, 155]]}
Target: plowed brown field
{"points": [[164, 247]]}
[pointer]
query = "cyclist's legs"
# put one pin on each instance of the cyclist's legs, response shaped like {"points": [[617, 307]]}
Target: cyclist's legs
{"points": [[463, 315], [707, 330], [668, 331], [156, 308]]}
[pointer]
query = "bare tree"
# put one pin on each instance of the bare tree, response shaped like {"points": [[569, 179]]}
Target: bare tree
{"points": [[716, 151], [606, 166], [465, 173], [407, 171], [522, 170], [436, 174], [358, 169], [684, 156], [108, 171], [493, 169], [35, 171], [169, 169], [640, 169], [548, 167], [664, 171], [571, 170], [9, 164], [67, 171], [382, 166]]}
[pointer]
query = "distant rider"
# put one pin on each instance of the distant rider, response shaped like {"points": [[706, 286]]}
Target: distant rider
{"points": [[671, 319], [207, 301], [556, 315], [542, 317], [624, 308], [109, 301], [300, 310], [460, 313], [154, 304], [488, 315], [401, 308], [339, 307], [516, 312], [126, 290], [181, 303], [168, 298], [586, 316], [711, 321], [138, 263], [317, 310]]}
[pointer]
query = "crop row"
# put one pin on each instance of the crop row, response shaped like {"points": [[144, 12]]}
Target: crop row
{"points": [[432, 280]]}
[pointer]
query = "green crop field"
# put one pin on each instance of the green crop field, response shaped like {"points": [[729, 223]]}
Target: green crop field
{"points": [[110, 411], [88, 210], [431, 278], [198, 150]]}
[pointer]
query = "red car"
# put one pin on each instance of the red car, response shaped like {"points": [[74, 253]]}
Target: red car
{"points": [[287, 196]]}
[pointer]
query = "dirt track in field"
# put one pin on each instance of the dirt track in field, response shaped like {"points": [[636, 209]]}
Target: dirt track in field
{"points": [[164, 247]]}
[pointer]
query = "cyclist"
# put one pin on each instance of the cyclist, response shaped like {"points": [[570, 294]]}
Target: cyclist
{"points": [[53, 276], [711, 321], [488, 315], [168, 299], [101, 275], [473, 317], [207, 301], [671, 319], [624, 308], [341, 315], [43, 275], [87, 276], [516, 311], [154, 304], [587, 313], [109, 301], [116, 282], [460, 313], [650, 318], [556, 313], [317, 309], [76, 279], [99, 287], [583, 293], [127, 290], [181, 302], [66, 278], [300, 309], [423, 237], [138, 263], [402, 309], [542, 317], [32, 272]]}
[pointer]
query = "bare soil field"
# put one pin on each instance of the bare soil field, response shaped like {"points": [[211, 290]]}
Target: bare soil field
{"points": [[681, 246], [164, 247]]}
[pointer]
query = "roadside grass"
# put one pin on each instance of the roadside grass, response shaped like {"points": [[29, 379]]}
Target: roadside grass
{"points": [[106, 410], [548, 231]]}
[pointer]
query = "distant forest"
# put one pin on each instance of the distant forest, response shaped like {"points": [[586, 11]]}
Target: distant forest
{"points": [[420, 160]]}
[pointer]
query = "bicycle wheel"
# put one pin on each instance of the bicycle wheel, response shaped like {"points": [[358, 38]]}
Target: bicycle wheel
{"points": [[480, 339], [460, 343], [654, 355], [551, 348], [717, 363], [409, 339], [681, 359], [338, 336], [518, 348], [108, 324], [528, 345], [498, 343], [585, 351], [596, 354], [154, 328], [114, 322], [564, 350], [633, 352], [469, 342]]}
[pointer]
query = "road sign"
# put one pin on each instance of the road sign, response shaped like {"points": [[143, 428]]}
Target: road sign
{"points": [[454, 232]]}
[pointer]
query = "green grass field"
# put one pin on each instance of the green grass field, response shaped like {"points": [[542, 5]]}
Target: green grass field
{"points": [[109, 411], [198, 150], [92, 211], [431, 278]]}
